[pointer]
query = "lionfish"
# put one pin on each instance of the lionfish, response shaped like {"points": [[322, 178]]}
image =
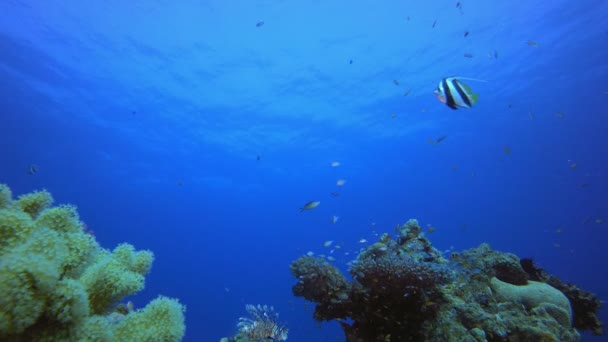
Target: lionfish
{"points": [[263, 325]]}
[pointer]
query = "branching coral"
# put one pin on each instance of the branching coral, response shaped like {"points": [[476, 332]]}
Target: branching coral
{"points": [[318, 281], [394, 291], [58, 284]]}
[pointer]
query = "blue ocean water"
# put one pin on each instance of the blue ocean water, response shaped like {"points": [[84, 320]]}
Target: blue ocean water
{"points": [[197, 129]]}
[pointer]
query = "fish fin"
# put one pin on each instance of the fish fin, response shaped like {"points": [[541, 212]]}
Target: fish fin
{"points": [[470, 79], [466, 88]]}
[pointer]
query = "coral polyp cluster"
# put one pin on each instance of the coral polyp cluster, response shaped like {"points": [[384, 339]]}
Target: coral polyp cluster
{"points": [[405, 290], [58, 284]]}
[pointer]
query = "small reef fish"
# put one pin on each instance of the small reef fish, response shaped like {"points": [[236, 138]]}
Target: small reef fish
{"points": [[466, 33], [328, 243], [341, 182], [493, 55], [532, 43], [393, 116], [454, 93], [430, 229], [507, 149], [310, 253], [436, 141], [407, 92], [362, 241], [335, 164], [334, 194], [310, 205], [468, 55], [331, 258], [599, 221], [434, 23], [259, 24], [572, 164], [560, 115], [459, 6], [334, 219], [395, 82], [32, 169]]}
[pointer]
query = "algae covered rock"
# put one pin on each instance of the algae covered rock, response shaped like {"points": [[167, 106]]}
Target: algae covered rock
{"points": [[405, 290], [58, 284]]}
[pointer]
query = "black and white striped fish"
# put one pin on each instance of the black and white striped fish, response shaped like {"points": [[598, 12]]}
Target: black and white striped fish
{"points": [[455, 93]]}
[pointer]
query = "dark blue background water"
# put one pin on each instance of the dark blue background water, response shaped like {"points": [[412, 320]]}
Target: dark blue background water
{"points": [[149, 116]]}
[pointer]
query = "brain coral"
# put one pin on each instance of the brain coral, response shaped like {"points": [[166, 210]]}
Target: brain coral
{"points": [[58, 284]]}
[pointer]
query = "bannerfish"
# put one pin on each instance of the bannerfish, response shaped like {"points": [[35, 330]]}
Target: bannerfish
{"points": [[455, 93], [310, 205]]}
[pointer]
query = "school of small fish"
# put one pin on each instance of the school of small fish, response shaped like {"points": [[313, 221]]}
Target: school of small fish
{"points": [[455, 94]]}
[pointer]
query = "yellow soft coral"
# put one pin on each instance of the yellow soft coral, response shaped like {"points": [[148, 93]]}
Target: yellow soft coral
{"points": [[161, 320], [35, 202], [108, 280], [58, 284], [26, 281], [6, 196], [15, 226]]}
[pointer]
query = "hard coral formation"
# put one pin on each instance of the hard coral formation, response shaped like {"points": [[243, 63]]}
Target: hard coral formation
{"points": [[404, 290], [533, 295], [585, 305], [58, 284]]}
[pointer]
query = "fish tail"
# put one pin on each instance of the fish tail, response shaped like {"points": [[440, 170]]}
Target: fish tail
{"points": [[474, 98]]}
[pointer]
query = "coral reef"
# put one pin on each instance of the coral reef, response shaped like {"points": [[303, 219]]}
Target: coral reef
{"points": [[405, 290], [263, 326], [58, 284]]}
